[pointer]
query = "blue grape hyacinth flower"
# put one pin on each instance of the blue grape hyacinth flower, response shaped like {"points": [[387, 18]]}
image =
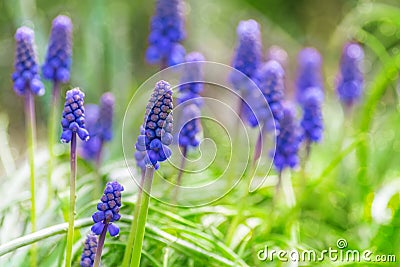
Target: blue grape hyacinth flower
{"points": [[157, 126], [270, 79], [90, 149], [106, 114], [288, 140], [312, 121], [59, 51], [248, 53], [167, 31], [351, 81], [73, 120], [309, 71], [108, 209], [25, 76], [89, 250], [192, 84], [191, 126]]}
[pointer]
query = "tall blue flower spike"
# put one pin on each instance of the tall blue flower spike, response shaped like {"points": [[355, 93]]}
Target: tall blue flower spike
{"points": [[270, 79], [247, 59], [106, 114], [59, 51], [248, 52], [25, 76], [351, 80], [167, 30], [89, 250], [191, 82], [108, 209], [312, 121], [73, 120], [288, 140], [157, 126], [191, 126], [309, 72]]}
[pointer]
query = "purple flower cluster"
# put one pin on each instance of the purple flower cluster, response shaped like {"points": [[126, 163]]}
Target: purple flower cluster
{"points": [[309, 71], [167, 31], [288, 140], [99, 123], [191, 126], [192, 79], [312, 121], [248, 52], [189, 95], [247, 60], [73, 120], [89, 250], [269, 78], [351, 80], [59, 52], [108, 209], [25, 76], [157, 126]]}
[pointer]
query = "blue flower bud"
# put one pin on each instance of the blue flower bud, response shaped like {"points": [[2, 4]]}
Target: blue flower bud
{"points": [[59, 51], [89, 250], [74, 116], [25, 76]]}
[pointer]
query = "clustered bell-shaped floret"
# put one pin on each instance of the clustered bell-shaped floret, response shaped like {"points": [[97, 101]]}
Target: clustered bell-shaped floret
{"points": [[270, 79], [108, 209], [89, 250], [288, 140], [191, 126], [192, 84], [25, 76], [312, 121], [248, 53], [166, 32], [59, 51], [73, 120], [309, 72], [351, 80], [157, 126]]}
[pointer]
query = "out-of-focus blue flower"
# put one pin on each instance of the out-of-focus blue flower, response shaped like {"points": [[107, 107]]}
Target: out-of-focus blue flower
{"points": [[99, 124], [309, 71], [89, 150], [288, 140], [167, 30], [59, 51], [248, 53], [157, 126], [25, 76], [191, 126], [312, 121], [192, 79], [270, 79], [89, 250], [73, 120], [351, 81], [108, 209]]}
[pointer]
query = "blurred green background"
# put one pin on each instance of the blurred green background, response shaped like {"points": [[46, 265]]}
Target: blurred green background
{"points": [[110, 38]]}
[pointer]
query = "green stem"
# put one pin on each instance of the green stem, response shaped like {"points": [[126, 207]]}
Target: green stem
{"points": [[31, 137], [131, 238], [179, 179], [290, 200], [100, 245], [71, 215], [52, 137], [142, 217]]}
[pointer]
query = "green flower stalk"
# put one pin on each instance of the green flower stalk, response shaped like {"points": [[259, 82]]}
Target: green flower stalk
{"points": [[153, 142], [27, 83], [73, 123]]}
